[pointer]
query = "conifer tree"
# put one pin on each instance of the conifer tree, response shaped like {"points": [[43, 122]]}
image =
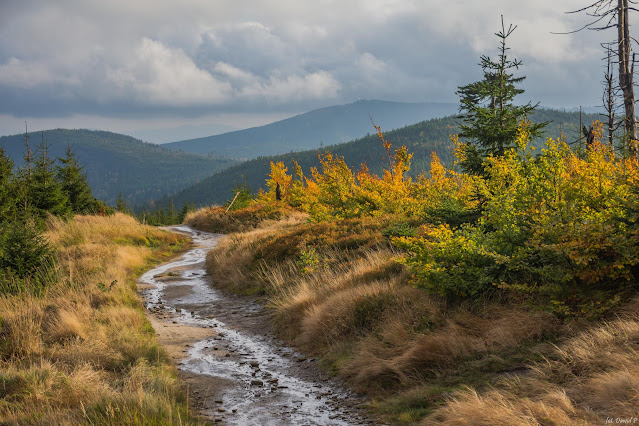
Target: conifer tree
{"points": [[120, 204], [45, 190], [74, 183], [490, 118], [171, 217], [22, 247], [184, 211]]}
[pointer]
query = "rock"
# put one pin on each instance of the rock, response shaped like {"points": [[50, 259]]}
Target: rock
{"points": [[254, 364], [256, 382], [220, 409]]}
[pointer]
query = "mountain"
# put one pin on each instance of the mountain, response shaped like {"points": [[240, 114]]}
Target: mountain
{"points": [[421, 139], [320, 127], [116, 163]]}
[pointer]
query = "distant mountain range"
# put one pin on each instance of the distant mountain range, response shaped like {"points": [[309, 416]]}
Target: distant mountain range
{"points": [[149, 175], [421, 139], [117, 163], [320, 127]]}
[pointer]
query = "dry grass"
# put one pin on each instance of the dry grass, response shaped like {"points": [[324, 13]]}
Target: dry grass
{"points": [[84, 352], [349, 303], [217, 219], [233, 261], [589, 378], [486, 363]]}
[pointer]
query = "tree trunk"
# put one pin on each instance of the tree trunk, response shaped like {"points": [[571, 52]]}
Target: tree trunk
{"points": [[625, 74]]}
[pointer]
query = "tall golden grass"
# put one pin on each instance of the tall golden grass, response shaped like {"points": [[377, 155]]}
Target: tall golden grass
{"points": [[84, 352], [589, 378]]}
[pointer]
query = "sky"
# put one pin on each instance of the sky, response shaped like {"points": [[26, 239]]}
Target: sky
{"points": [[166, 70]]}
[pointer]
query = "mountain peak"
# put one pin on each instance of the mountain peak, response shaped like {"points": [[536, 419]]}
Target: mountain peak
{"points": [[310, 130]]}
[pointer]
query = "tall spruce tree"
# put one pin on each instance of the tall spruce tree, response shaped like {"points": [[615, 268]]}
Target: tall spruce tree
{"points": [[45, 190], [74, 183], [23, 249], [490, 118]]}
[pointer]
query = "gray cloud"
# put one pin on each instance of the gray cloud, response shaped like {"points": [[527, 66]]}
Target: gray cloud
{"points": [[125, 59]]}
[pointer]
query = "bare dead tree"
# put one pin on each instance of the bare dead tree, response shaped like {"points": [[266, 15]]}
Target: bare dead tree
{"points": [[610, 96], [608, 14], [626, 70]]}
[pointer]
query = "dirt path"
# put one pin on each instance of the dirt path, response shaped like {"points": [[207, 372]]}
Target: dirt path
{"points": [[236, 371]]}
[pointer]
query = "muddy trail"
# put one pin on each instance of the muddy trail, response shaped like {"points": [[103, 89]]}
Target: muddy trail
{"points": [[236, 371]]}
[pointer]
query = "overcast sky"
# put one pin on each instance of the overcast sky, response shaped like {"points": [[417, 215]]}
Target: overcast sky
{"points": [[166, 70]]}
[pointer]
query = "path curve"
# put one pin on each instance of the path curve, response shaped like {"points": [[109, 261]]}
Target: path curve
{"points": [[237, 372]]}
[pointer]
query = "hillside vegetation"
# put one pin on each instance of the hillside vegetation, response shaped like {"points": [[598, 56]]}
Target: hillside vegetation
{"points": [[83, 352], [421, 139], [454, 298], [117, 163]]}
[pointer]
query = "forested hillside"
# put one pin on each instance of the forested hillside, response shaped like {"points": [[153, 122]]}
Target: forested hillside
{"points": [[320, 127], [420, 139], [116, 163]]}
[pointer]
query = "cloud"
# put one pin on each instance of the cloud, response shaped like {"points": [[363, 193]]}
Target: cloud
{"points": [[28, 75], [292, 88], [158, 75], [197, 57]]}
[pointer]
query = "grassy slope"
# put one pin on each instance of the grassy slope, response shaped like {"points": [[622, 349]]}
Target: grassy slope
{"points": [[85, 353], [117, 163], [421, 139], [337, 292]]}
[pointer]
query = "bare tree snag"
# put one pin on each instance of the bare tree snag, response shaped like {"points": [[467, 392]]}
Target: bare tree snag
{"points": [[610, 14], [626, 68]]}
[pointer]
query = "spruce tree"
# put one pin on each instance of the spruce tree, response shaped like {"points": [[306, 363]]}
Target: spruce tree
{"points": [[45, 190], [74, 183], [120, 204], [171, 217], [183, 212], [22, 247], [490, 118]]}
